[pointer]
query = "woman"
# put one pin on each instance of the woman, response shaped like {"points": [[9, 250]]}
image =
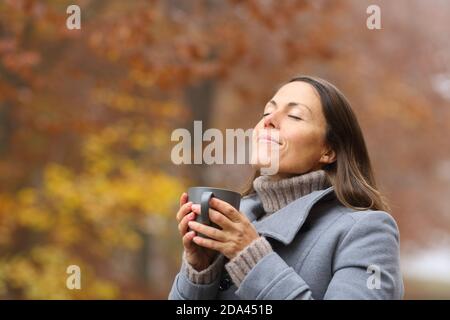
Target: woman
{"points": [[316, 230]]}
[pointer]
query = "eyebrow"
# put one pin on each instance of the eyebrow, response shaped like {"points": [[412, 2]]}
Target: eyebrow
{"points": [[292, 104]]}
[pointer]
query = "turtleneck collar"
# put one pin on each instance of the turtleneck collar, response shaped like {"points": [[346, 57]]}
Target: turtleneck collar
{"points": [[277, 193]]}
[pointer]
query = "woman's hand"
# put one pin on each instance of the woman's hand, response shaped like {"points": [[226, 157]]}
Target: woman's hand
{"points": [[198, 257], [237, 231]]}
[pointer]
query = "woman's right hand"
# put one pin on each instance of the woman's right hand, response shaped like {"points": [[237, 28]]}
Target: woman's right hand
{"points": [[198, 257]]}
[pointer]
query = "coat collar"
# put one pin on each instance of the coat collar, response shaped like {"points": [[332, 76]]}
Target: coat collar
{"points": [[285, 223]]}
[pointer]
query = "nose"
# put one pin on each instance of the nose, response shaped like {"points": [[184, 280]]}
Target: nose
{"points": [[270, 121]]}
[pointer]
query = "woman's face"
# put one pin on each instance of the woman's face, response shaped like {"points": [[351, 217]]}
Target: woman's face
{"points": [[294, 119]]}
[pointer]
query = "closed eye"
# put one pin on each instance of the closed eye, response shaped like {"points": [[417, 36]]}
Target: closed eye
{"points": [[291, 116]]}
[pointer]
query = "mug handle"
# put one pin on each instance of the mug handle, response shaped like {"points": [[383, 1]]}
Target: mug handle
{"points": [[204, 207]]}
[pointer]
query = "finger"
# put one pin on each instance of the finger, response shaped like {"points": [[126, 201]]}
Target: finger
{"points": [[184, 210], [225, 208], [183, 198], [196, 208], [183, 225], [187, 240], [208, 231], [215, 216], [220, 219], [208, 243]]}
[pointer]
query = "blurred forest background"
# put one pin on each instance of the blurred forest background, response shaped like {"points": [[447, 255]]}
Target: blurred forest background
{"points": [[86, 118]]}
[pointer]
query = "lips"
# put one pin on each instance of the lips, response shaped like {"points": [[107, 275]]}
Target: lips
{"points": [[264, 137]]}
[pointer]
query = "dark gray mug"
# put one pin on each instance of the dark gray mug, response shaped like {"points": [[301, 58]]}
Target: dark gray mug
{"points": [[202, 195]]}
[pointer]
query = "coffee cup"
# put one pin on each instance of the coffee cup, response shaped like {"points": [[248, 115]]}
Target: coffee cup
{"points": [[202, 196]]}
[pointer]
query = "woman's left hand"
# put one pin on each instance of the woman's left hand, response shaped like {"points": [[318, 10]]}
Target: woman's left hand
{"points": [[237, 231]]}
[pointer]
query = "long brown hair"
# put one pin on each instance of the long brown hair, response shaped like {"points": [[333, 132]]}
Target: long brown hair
{"points": [[351, 174]]}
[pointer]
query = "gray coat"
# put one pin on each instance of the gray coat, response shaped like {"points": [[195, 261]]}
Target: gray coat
{"points": [[322, 250]]}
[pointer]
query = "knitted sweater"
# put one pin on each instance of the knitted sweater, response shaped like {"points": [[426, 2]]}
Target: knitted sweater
{"points": [[274, 194]]}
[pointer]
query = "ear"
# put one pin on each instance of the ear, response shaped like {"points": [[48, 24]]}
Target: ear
{"points": [[328, 157]]}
